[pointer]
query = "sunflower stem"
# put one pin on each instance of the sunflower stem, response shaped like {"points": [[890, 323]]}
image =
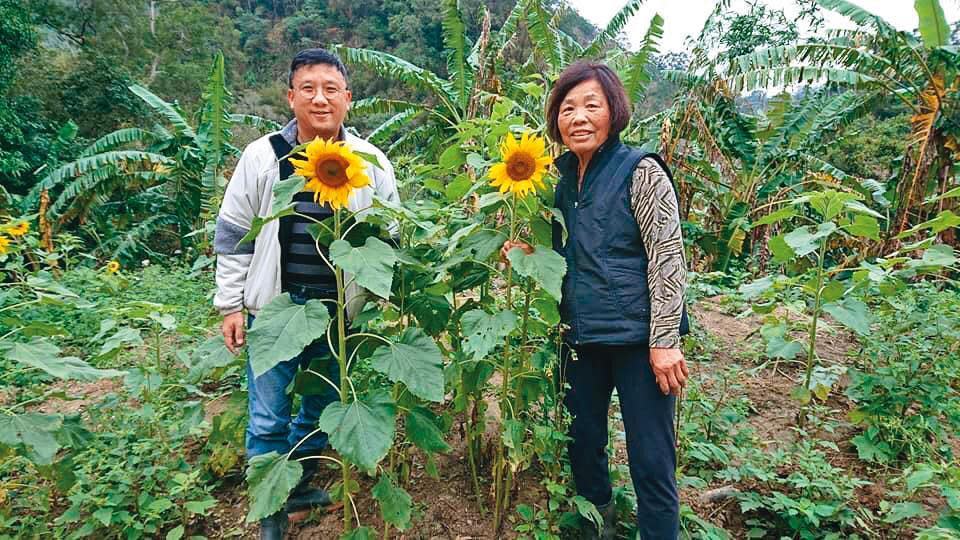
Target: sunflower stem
{"points": [[344, 377]]}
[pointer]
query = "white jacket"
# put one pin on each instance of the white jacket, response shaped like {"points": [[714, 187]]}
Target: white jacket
{"points": [[248, 275]]}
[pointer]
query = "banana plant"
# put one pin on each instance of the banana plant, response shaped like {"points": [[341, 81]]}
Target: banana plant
{"points": [[138, 182], [922, 72]]}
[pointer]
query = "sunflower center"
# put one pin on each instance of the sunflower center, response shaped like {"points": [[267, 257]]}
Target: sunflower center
{"points": [[520, 166], [332, 172]]}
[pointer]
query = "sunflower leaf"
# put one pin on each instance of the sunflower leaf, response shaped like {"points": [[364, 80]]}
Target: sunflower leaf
{"points": [[283, 329], [544, 266], [371, 264]]}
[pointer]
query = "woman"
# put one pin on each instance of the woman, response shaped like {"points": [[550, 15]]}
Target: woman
{"points": [[622, 297]]}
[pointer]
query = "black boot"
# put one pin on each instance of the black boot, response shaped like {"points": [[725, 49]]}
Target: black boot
{"points": [[274, 526], [609, 529], [305, 497]]}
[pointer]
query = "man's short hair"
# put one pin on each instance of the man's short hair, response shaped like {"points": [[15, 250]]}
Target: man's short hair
{"points": [[312, 57]]}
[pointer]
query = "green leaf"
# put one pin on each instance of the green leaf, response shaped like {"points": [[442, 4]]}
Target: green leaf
{"points": [[271, 477], [904, 510], [778, 343], [755, 288], [452, 157], [782, 252], [852, 313], [832, 291], [943, 221], [34, 432], [483, 331], [361, 431], [775, 217], [370, 264], [830, 203], [210, 355], [124, 336], [41, 354], [415, 361], [281, 205], [919, 478], [423, 432], [175, 533], [395, 503], [544, 266], [360, 533], [803, 242], [588, 510], [283, 329], [865, 226], [369, 158], [933, 24]]}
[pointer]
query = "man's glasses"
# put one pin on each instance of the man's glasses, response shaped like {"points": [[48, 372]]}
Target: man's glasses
{"points": [[308, 91]]}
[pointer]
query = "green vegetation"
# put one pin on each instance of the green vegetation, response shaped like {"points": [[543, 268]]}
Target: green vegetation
{"points": [[820, 224]]}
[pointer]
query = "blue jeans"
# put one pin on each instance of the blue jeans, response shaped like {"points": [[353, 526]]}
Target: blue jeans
{"points": [[269, 405], [647, 420]]}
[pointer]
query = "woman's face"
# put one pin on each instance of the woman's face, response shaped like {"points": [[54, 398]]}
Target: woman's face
{"points": [[584, 118]]}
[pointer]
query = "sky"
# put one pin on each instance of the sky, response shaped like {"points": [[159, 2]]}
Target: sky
{"points": [[685, 17]]}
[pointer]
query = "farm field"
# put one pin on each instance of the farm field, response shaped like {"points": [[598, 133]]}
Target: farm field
{"points": [[816, 174]]}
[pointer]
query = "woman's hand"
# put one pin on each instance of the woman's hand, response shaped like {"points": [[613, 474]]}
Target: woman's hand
{"points": [[508, 245], [670, 369]]}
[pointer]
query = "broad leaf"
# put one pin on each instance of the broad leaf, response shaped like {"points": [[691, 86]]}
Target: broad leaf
{"points": [[41, 354], [804, 242], [865, 226], [415, 361], [33, 431], [852, 313], [904, 510], [360, 533], [124, 336], [283, 329], [933, 24], [544, 266], [775, 217], [394, 502], [370, 264], [210, 355], [281, 205], [422, 431], [483, 331], [271, 477], [361, 431], [779, 344]]}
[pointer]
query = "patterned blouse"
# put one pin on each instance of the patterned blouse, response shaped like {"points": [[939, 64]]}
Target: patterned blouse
{"points": [[655, 207]]}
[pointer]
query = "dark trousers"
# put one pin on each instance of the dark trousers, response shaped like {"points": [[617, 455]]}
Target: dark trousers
{"points": [[648, 420]]}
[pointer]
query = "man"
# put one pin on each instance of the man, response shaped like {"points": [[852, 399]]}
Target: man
{"points": [[283, 259]]}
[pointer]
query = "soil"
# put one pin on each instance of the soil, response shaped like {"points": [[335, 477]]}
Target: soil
{"points": [[445, 507]]}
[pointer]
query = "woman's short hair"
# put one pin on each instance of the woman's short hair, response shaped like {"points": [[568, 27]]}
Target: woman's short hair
{"points": [[582, 71]]}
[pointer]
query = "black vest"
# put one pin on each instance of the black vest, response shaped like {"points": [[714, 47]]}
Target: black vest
{"points": [[606, 299], [302, 269]]}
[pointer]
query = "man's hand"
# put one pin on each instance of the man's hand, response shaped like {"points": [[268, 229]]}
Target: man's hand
{"points": [[670, 369], [233, 331], [508, 245]]}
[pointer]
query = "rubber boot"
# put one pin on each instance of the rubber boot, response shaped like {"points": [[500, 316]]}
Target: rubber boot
{"points": [[303, 496], [609, 529], [274, 527]]}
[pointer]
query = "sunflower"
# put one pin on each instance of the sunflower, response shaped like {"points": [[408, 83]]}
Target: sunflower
{"points": [[18, 229], [4, 244], [523, 166], [332, 171], [113, 267]]}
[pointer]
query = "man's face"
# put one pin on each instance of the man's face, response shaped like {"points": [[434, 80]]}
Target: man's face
{"points": [[319, 100]]}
